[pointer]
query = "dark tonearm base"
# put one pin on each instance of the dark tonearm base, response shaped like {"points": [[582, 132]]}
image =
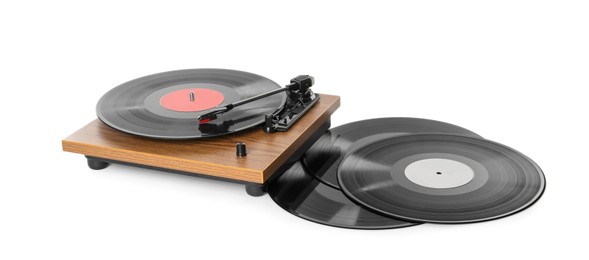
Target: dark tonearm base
{"points": [[289, 115]]}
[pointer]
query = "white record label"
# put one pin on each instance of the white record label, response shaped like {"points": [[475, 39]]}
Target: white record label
{"points": [[439, 173]]}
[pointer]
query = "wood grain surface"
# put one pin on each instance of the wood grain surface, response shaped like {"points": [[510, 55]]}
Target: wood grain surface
{"points": [[210, 156]]}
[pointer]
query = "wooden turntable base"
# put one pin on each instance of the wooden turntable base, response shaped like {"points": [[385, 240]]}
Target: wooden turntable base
{"points": [[215, 156]]}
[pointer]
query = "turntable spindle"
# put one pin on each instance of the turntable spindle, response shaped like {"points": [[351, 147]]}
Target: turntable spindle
{"points": [[191, 96]]}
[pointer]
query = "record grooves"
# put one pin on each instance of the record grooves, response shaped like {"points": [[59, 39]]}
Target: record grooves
{"points": [[140, 107], [490, 180]]}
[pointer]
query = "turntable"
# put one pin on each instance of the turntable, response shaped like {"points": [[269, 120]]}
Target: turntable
{"points": [[223, 124]]}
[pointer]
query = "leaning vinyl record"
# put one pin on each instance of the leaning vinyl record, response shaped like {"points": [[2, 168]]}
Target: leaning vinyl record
{"points": [[304, 196], [441, 178], [324, 157], [166, 105]]}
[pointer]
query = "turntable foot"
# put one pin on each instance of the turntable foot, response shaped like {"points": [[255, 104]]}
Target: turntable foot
{"points": [[97, 165], [255, 190]]}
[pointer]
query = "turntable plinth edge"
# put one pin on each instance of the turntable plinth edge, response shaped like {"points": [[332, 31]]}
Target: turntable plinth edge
{"points": [[215, 156]]}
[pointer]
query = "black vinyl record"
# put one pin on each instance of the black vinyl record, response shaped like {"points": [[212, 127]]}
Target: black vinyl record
{"points": [[304, 196], [324, 157], [166, 105], [440, 178]]}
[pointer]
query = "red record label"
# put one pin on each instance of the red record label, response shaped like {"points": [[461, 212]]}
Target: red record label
{"points": [[192, 99]]}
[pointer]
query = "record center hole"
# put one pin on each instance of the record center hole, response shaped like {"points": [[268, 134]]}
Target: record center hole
{"points": [[438, 173]]}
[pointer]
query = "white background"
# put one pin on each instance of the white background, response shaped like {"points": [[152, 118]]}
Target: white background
{"points": [[512, 71]]}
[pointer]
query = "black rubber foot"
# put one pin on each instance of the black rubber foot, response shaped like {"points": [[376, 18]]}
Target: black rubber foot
{"points": [[97, 165], [255, 190]]}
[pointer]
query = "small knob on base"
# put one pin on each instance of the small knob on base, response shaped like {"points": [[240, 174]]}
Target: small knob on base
{"points": [[240, 149]]}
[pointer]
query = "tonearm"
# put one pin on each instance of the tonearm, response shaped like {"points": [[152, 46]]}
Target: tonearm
{"points": [[299, 99]]}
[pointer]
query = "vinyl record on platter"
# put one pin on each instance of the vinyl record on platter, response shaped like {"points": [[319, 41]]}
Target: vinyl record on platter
{"points": [[441, 178], [304, 196], [166, 105], [324, 157]]}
